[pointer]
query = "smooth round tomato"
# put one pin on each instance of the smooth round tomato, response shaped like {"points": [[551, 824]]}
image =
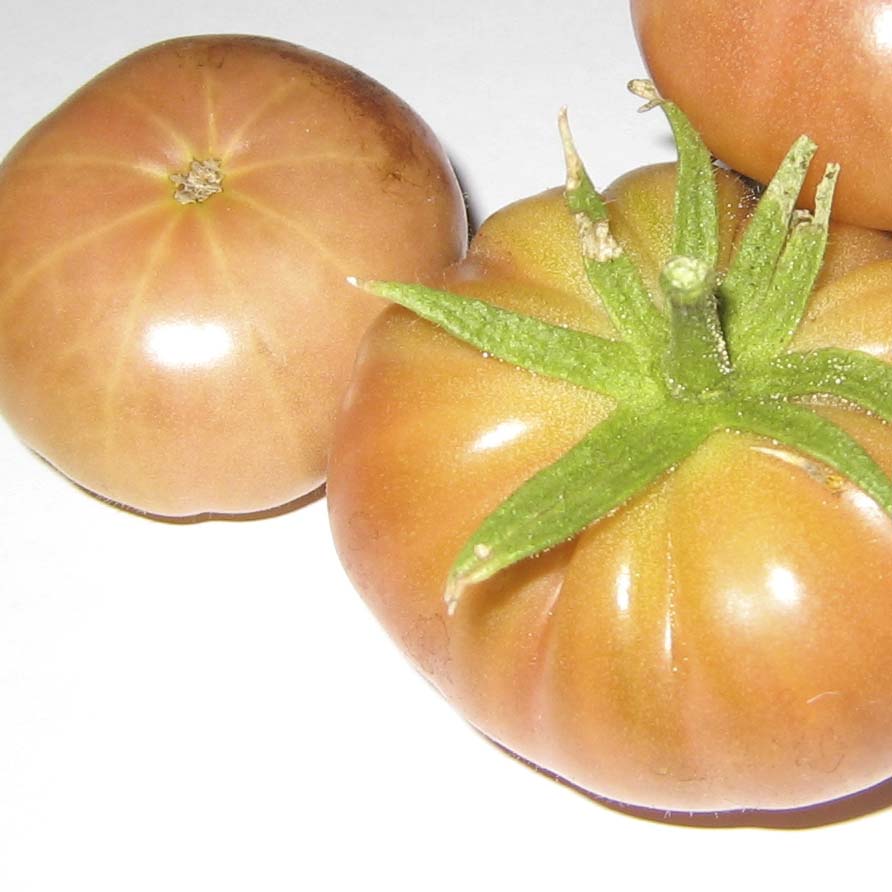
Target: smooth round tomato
{"points": [[754, 76], [176, 331], [723, 639]]}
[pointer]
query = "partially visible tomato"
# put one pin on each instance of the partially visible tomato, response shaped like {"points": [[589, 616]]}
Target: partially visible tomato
{"points": [[175, 328], [753, 76], [722, 640]]}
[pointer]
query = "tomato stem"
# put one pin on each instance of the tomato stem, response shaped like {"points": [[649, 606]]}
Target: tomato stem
{"points": [[698, 357], [199, 183]]}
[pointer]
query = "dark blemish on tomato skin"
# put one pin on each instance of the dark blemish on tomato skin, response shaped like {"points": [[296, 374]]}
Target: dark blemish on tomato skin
{"points": [[364, 100], [368, 102], [214, 51], [216, 56], [427, 642]]}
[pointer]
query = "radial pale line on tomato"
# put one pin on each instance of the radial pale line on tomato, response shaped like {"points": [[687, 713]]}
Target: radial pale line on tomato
{"points": [[73, 160], [540, 693], [648, 650], [210, 107], [20, 280], [166, 127], [324, 252], [230, 150], [676, 645], [227, 276], [162, 243], [691, 662], [299, 161], [276, 396], [75, 344]]}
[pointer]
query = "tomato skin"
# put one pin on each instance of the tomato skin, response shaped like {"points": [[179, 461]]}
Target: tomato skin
{"points": [[724, 640], [189, 358], [754, 76]]}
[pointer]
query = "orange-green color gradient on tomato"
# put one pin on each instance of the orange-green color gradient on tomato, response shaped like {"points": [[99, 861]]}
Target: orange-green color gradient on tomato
{"points": [[186, 357], [752, 76], [724, 639]]}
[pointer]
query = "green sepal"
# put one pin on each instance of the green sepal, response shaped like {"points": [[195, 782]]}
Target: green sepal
{"points": [[750, 275], [850, 375], [598, 364], [696, 195], [697, 357], [696, 201], [617, 459], [610, 271], [773, 316], [580, 193], [807, 432]]}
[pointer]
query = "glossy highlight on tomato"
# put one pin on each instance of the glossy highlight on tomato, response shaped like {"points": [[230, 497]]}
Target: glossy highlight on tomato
{"points": [[175, 328], [723, 640], [754, 76]]}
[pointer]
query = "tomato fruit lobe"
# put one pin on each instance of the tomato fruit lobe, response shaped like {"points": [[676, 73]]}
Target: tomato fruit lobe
{"points": [[704, 631], [753, 76], [175, 329]]}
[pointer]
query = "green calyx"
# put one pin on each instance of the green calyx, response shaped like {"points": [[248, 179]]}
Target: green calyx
{"points": [[716, 358]]}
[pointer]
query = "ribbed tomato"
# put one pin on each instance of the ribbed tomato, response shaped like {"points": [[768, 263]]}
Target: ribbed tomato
{"points": [[754, 76], [722, 639], [175, 330]]}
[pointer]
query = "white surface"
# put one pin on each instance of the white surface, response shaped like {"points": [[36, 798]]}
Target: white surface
{"points": [[210, 706]]}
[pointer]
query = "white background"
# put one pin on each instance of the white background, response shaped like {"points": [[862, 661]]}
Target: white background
{"points": [[209, 706]]}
